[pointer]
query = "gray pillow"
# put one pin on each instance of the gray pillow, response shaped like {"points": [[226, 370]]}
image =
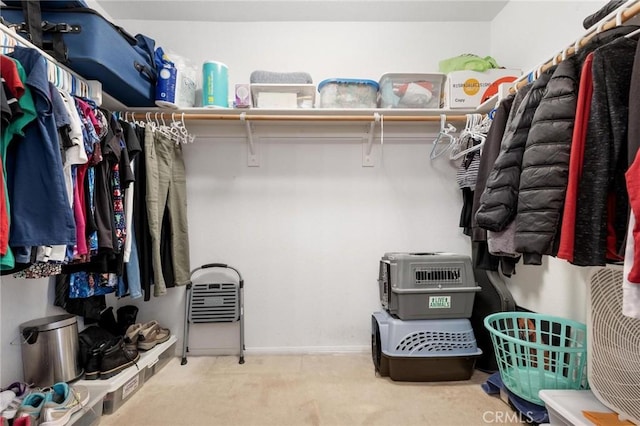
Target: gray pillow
{"points": [[270, 77]]}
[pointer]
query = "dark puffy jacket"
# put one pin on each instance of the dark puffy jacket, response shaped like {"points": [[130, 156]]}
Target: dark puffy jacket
{"points": [[545, 167], [499, 201]]}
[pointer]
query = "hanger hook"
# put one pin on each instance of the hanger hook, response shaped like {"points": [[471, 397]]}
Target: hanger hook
{"points": [[554, 61], [564, 54], [619, 13], [576, 45]]}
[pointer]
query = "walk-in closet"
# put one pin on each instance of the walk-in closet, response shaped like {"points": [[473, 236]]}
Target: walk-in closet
{"points": [[319, 212]]}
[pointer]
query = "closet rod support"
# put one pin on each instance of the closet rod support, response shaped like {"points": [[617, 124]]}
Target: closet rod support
{"points": [[252, 154], [367, 161]]}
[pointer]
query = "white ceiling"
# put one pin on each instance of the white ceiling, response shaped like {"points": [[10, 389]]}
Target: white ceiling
{"points": [[303, 10]]}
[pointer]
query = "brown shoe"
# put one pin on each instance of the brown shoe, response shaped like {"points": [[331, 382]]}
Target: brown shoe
{"points": [[131, 336], [151, 334]]}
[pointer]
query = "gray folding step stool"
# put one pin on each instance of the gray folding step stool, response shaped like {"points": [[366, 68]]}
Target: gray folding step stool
{"points": [[213, 302]]}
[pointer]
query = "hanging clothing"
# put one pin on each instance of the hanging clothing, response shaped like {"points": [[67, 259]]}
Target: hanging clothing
{"points": [[140, 217], [631, 290], [15, 128], [602, 207], [499, 201], [632, 260], [40, 212], [504, 115], [545, 166], [166, 188], [583, 110]]}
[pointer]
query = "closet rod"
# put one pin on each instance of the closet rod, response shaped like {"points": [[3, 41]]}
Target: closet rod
{"points": [[630, 10], [284, 117]]}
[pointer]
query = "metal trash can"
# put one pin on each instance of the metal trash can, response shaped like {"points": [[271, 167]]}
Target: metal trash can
{"points": [[50, 350]]}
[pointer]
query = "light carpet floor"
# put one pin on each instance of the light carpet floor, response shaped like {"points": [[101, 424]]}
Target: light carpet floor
{"points": [[291, 390]]}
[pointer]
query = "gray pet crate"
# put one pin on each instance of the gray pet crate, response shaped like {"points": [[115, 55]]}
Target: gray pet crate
{"points": [[427, 285], [423, 350]]}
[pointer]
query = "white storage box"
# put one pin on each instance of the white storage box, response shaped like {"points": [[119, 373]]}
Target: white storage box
{"points": [[565, 407], [160, 361], [468, 89], [286, 96], [348, 93], [411, 90]]}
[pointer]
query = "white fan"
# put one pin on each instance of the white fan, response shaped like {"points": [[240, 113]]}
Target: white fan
{"points": [[614, 347]]}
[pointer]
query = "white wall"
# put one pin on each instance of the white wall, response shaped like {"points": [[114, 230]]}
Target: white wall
{"points": [[526, 34], [324, 49]]}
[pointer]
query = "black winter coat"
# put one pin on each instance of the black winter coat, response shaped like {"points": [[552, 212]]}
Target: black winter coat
{"points": [[545, 167], [499, 201]]}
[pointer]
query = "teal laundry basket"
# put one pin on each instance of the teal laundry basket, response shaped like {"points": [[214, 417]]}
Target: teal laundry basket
{"points": [[536, 352]]}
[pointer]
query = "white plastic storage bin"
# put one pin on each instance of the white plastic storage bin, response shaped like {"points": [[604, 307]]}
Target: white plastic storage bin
{"points": [[348, 93], [411, 90], [565, 407], [118, 389], [285, 96]]}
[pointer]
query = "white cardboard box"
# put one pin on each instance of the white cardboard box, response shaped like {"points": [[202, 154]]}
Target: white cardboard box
{"points": [[468, 89]]}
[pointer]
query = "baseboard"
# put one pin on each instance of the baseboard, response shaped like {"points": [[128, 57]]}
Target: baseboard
{"points": [[295, 350]]}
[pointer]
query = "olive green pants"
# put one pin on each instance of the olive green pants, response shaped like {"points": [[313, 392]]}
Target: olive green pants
{"points": [[167, 187]]}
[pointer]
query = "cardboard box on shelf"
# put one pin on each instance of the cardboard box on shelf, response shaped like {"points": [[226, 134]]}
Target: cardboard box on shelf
{"points": [[468, 89]]}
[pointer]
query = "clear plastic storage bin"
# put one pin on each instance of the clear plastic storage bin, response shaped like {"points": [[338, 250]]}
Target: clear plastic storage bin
{"points": [[348, 93], [411, 90]]}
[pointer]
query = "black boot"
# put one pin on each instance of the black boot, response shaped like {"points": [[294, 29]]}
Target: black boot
{"points": [[116, 358], [92, 366], [108, 321], [126, 317]]}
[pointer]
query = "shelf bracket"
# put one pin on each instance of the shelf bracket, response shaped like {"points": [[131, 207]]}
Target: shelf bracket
{"points": [[252, 149], [367, 144]]}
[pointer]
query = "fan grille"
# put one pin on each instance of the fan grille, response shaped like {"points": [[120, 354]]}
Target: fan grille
{"points": [[614, 353]]}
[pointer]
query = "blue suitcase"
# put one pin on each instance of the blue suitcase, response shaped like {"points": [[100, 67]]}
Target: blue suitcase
{"points": [[96, 49]]}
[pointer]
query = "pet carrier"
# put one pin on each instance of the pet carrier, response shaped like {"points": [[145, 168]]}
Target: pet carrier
{"points": [[423, 350], [213, 302], [427, 285]]}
